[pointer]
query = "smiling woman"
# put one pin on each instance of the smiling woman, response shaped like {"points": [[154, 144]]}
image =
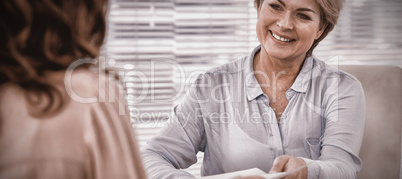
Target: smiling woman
{"points": [[286, 31], [278, 109]]}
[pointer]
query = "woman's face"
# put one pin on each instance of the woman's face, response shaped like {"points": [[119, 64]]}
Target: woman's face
{"points": [[286, 29]]}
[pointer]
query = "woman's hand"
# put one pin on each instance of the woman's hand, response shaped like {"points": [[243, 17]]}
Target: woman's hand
{"points": [[286, 163]]}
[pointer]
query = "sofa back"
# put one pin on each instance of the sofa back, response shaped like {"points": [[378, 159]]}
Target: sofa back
{"points": [[381, 147]]}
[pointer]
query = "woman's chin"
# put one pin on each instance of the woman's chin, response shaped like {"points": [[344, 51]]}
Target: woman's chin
{"points": [[282, 53], [279, 54]]}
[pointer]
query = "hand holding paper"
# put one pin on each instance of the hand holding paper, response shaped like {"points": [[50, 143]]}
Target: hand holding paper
{"points": [[295, 167]]}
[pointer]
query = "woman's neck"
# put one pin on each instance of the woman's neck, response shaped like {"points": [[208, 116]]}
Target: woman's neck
{"points": [[280, 73]]}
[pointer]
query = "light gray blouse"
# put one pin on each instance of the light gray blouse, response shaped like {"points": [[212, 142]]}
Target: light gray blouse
{"points": [[226, 115]]}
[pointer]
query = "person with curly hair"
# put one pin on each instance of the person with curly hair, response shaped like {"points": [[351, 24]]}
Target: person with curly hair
{"points": [[59, 119]]}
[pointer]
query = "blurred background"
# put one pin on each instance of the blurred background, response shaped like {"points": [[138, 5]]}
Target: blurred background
{"points": [[160, 46]]}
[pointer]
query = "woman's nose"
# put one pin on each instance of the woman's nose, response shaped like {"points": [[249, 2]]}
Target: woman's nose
{"points": [[285, 22]]}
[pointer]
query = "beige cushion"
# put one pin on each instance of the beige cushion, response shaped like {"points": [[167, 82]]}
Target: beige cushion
{"points": [[381, 148]]}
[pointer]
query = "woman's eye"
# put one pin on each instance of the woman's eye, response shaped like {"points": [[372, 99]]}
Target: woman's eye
{"points": [[304, 17], [275, 6]]}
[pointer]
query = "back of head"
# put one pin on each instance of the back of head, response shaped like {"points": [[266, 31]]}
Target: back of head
{"points": [[38, 36]]}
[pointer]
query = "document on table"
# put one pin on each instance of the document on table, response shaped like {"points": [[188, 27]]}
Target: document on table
{"points": [[251, 172]]}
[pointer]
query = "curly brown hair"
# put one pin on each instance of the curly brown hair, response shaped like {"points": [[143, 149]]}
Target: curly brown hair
{"points": [[47, 35], [330, 10]]}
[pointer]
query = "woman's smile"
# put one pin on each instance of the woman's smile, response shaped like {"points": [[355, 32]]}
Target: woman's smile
{"points": [[282, 38]]}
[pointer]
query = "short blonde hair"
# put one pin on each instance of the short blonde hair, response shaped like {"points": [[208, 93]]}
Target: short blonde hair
{"points": [[330, 10]]}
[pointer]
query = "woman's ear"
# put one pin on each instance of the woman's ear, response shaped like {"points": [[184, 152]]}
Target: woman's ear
{"points": [[322, 28]]}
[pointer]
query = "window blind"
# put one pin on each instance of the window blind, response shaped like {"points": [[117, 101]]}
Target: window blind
{"points": [[164, 44], [369, 32], [161, 46]]}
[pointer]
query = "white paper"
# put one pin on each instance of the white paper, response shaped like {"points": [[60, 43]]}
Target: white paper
{"points": [[247, 173], [252, 172]]}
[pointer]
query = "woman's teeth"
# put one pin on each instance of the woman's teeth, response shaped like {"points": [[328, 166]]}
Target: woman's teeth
{"points": [[280, 38]]}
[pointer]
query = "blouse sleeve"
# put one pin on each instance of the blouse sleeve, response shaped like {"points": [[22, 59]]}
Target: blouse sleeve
{"points": [[176, 146], [343, 134], [111, 142]]}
